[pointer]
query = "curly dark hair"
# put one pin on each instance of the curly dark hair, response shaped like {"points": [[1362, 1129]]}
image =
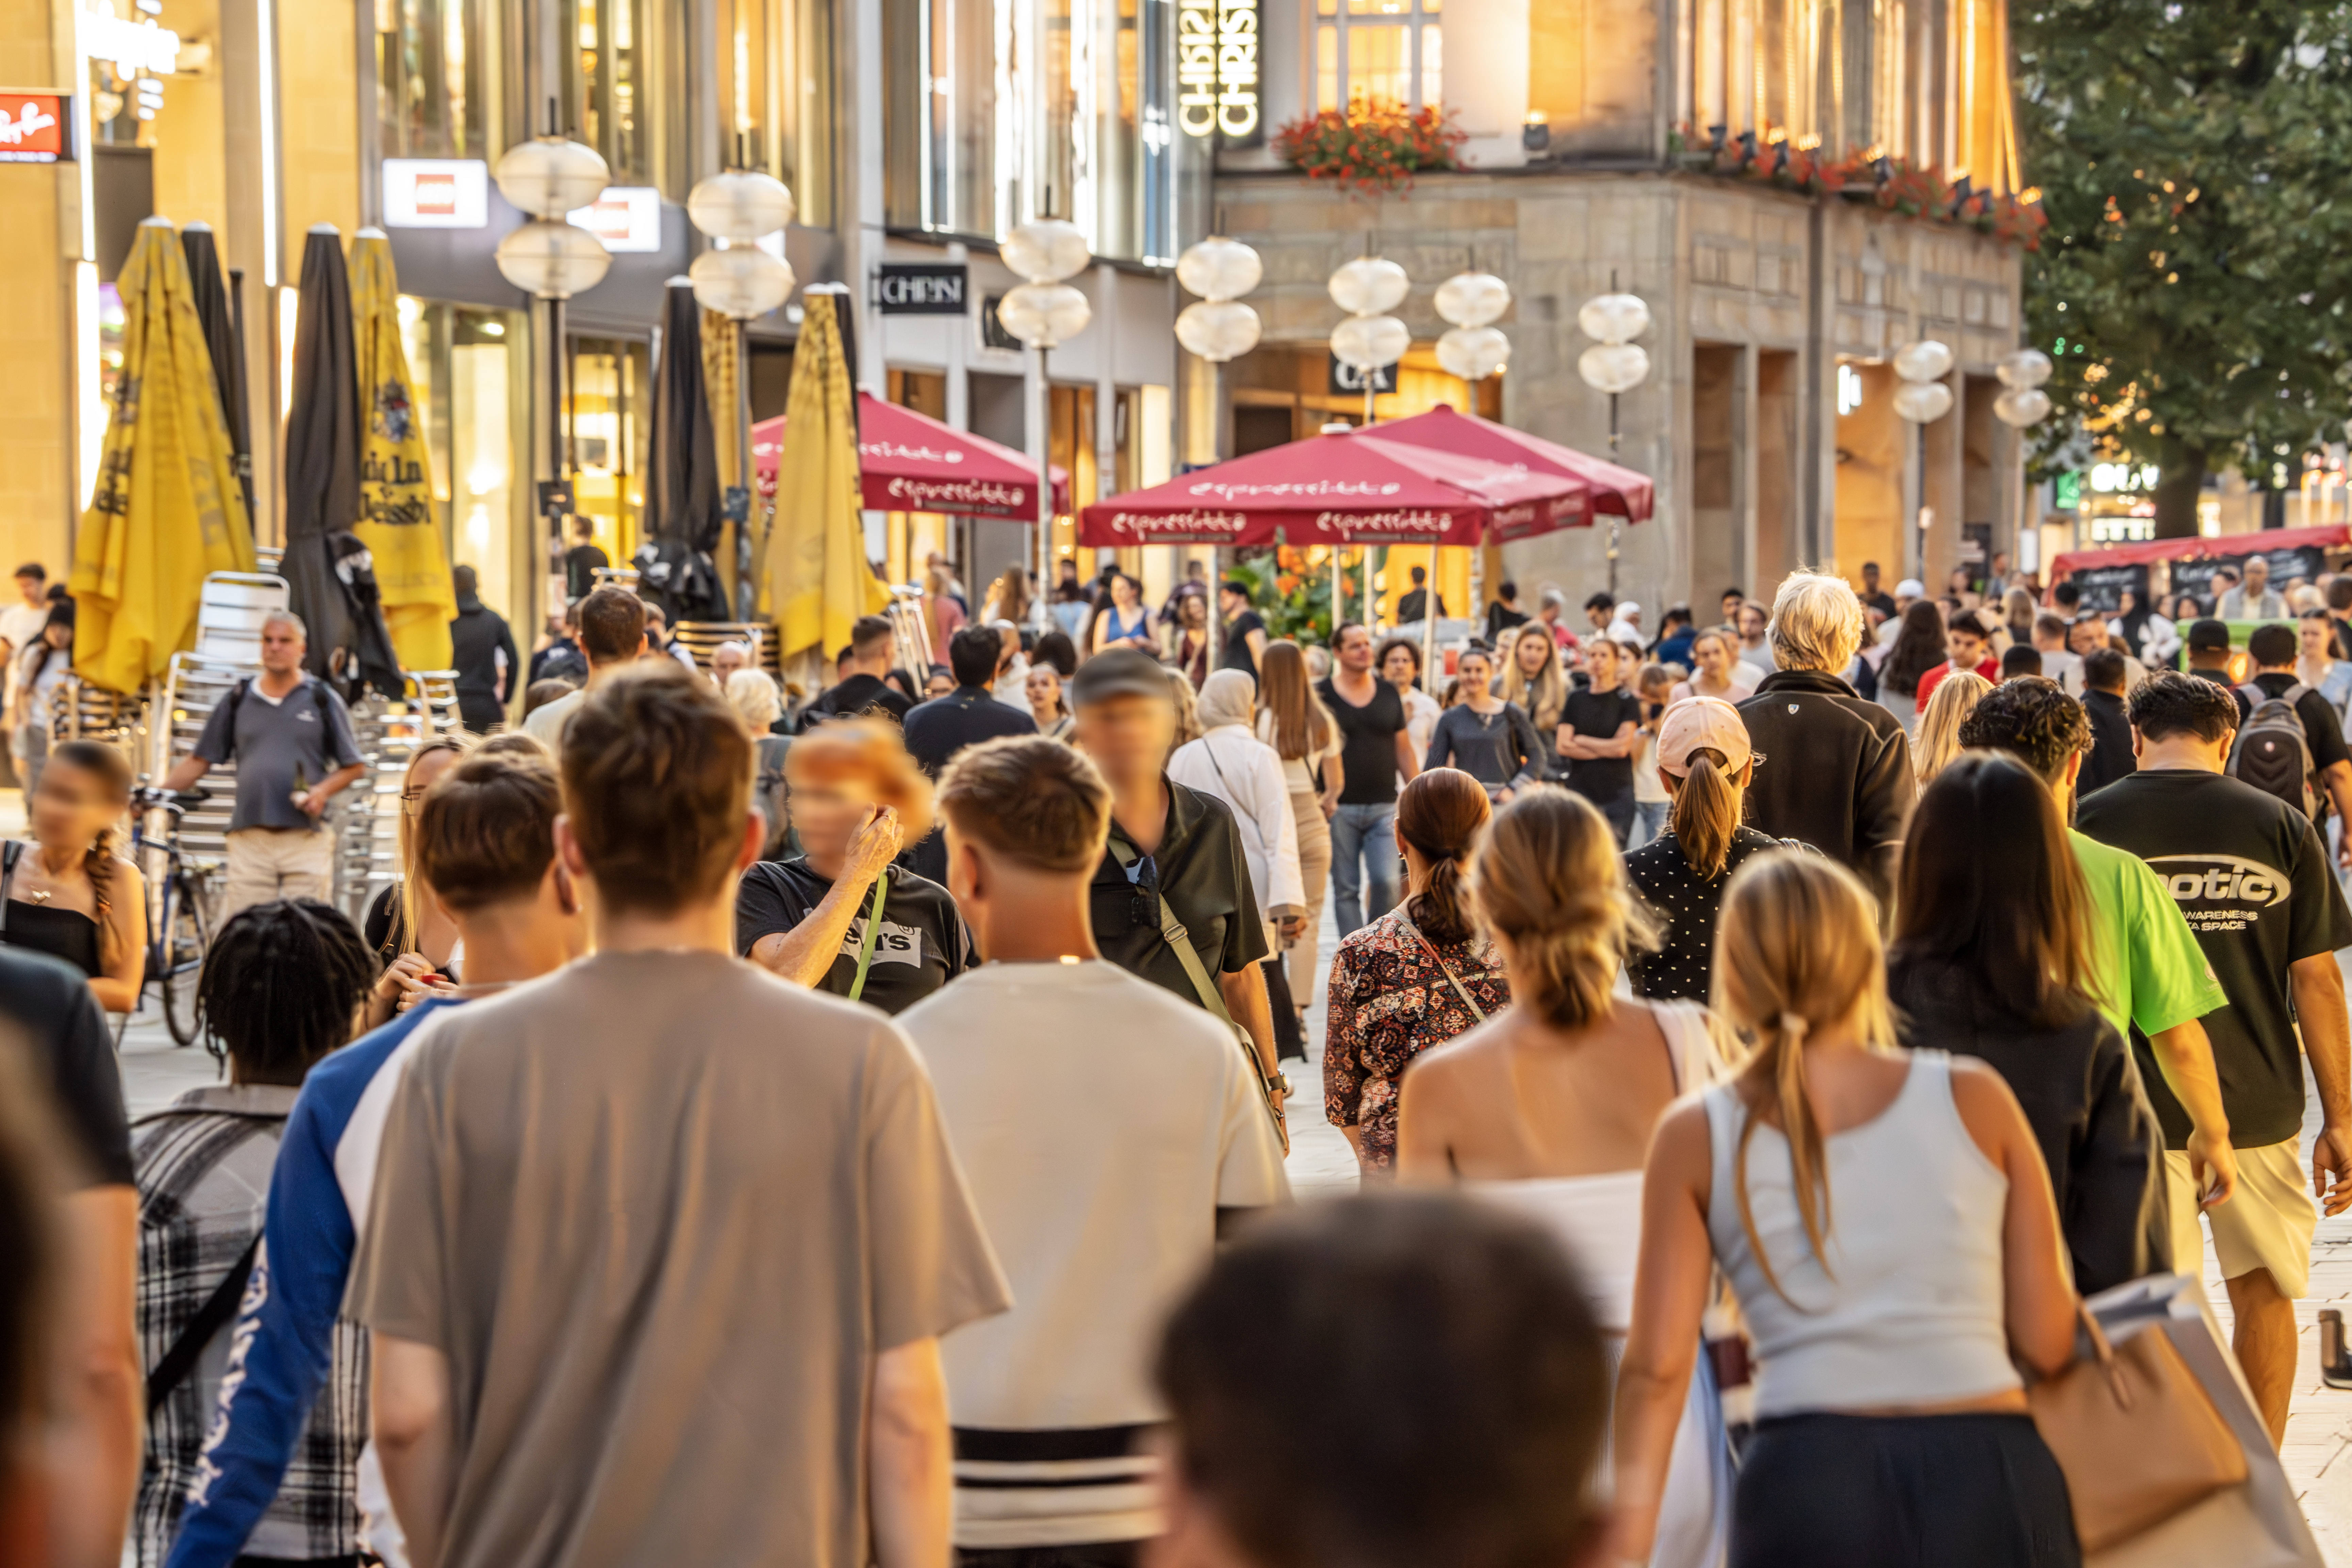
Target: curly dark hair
{"points": [[280, 984], [2169, 702], [2032, 718]]}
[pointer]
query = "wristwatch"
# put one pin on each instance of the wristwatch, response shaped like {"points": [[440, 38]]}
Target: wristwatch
{"points": [[1282, 1081]]}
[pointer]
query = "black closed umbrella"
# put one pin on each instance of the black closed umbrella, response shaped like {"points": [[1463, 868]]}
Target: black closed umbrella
{"points": [[683, 511], [224, 329], [328, 570]]}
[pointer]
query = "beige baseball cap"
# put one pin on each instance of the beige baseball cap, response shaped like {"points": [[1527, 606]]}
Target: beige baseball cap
{"points": [[1697, 724]]}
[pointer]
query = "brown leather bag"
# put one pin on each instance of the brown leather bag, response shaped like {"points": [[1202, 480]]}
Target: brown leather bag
{"points": [[2136, 1435]]}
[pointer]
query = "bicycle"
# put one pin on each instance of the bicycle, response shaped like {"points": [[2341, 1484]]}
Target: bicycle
{"points": [[179, 911]]}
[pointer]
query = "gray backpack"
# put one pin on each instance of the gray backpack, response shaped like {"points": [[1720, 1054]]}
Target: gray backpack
{"points": [[2272, 753]]}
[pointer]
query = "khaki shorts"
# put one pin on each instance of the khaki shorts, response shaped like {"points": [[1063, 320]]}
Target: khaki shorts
{"points": [[2268, 1222]]}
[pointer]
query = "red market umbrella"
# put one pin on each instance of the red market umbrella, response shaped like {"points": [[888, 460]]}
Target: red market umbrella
{"points": [[1339, 488], [909, 462], [1616, 491]]}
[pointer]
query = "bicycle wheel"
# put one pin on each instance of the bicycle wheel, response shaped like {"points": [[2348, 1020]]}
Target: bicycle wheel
{"points": [[184, 955]]}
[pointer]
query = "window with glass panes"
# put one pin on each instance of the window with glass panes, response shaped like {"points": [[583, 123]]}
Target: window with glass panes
{"points": [[623, 92], [776, 96], [1392, 49], [444, 79]]}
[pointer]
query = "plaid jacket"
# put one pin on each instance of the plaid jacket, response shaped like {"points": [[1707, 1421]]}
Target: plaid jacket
{"points": [[203, 1168]]}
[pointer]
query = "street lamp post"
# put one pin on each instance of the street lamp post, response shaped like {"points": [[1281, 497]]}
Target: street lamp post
{"points": [[1922, 398], [1044, 313], [738, 208], [1368, 342], [1474, 350], [1216, 328], [551, 261], [1615, 364]]}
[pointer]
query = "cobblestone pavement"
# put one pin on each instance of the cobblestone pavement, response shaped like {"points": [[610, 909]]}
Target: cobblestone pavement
{"points": [[2318, 1453]]}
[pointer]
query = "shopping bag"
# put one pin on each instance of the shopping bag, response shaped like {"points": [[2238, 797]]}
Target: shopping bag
{"points": [[2255, 1524]]}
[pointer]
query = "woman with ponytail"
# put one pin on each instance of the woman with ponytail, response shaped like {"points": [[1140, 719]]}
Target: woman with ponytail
{"points": [[1705, 759], [68, 894], [1416, 977], [1547, 1108], [1886, 1221]]}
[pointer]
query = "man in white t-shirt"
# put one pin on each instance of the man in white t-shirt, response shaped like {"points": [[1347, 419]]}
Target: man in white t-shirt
{"points": [[21, 622], [1107, 1131], [2058, 662]]}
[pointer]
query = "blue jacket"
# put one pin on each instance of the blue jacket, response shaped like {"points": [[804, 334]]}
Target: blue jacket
{"points": [[284, 1339]]}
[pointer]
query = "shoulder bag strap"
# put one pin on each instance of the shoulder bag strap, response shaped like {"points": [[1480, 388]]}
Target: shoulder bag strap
{"points": [[873, 929], [219, 1307], [10, 853], [1442, 967]]}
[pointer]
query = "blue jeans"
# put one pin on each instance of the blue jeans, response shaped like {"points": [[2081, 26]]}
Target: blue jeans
{"points": [[1364, 875], [1649, 821]]}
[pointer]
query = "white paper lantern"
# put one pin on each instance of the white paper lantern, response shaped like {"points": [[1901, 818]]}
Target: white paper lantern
{"points": [[1046, 251], [1923, 403], [1474, 353], [741, 282], [2021, 407], [1369, 285], [2025, 369], [1473, 298], [1368, 342], [1220, 268], [1614, 368], [1924, 360], [1613, 318], [550, 259], [739, 205], [548, 176], [1218, 330], [1044, 314]]}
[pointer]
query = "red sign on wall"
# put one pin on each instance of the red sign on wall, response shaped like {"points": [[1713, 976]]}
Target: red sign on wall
{"points": [[33, 127]]}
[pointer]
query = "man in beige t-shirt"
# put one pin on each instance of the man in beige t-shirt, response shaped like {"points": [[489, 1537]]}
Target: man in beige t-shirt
{"points": [[661, 1246]]}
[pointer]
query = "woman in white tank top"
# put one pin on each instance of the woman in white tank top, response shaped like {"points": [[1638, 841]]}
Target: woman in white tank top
{"points": [[1546, 1108], [1885, 1220]]}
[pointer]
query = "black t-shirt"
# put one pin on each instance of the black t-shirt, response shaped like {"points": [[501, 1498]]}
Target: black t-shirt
{"points": [[1881, 602], [1203, 875], [921, 946], [1500, 620], [2254, 882], [1685, 906], [854, 696], [1237, 650], [1600, 714], [1368, 756], [49, 1002]]}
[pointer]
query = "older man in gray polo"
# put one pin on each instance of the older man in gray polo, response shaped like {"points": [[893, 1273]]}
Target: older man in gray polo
{"points": [[291, 739]]}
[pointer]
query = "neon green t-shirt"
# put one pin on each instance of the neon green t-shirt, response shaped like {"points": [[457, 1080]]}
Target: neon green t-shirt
{"points": [[2150, 970]]}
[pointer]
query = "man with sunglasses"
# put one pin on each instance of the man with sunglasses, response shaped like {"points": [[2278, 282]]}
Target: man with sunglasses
{"points": [[1172, 851]]}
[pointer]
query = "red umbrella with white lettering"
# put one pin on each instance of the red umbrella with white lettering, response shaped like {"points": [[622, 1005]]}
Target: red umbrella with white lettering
{"points": [[909, 462], [1338, 488], [1616, 491]]}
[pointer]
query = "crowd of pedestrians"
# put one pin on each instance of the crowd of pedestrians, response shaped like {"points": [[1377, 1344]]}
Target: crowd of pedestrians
{"points": [[835, 1132]]}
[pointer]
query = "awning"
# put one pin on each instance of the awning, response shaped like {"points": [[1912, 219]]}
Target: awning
{"points": [[1616, 491], [1335, 489], [909, 462], [2221, 547]]}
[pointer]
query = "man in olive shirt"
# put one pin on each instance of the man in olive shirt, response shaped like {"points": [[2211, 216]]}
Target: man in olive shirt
{"points": [[661, 1246]]}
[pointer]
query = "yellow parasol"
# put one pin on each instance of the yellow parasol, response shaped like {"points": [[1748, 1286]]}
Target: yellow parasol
{"points": [[168, 508], [397, 521], [819, 582]]}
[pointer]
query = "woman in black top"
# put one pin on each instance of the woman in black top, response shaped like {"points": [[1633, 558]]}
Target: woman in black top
{"points": [[68, 894], [1490, 739], [1991, 958], [1600, 732], [1705, 762]]}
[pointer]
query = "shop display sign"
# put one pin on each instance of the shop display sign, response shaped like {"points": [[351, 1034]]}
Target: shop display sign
{"points": [[2195, 577], [436, 193], [2102, 586], [1217, 70], [921, 288], [33, 127], [627, 218]]}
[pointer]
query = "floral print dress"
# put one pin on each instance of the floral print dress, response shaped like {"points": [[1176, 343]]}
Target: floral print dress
{"points": [[1390, 1001]]}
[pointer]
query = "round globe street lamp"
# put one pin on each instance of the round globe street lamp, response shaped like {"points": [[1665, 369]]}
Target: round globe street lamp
{"points": [[1474, 350], [551, 261], [738, 208], [1615, 364], [1367, 342], [1044, 313], [1923, 399], [1218, 327], [2022, 402]]}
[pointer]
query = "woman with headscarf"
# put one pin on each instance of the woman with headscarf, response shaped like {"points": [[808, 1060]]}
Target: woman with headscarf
{"points": [[1230, 762]]}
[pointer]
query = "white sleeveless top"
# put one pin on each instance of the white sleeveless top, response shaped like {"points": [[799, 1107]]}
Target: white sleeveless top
{"points": [[1910, 1310]]}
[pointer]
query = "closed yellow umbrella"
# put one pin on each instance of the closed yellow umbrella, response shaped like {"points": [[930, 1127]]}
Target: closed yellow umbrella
{"points": [[168, 508], [819, 580], [397, 521]]}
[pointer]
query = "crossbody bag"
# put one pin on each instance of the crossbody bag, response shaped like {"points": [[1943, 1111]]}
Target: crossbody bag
{"points": [[1270, 1086], [1442, 967]]}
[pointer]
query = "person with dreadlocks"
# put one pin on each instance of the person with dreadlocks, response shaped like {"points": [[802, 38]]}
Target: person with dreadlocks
{"points": [[280, 988]]}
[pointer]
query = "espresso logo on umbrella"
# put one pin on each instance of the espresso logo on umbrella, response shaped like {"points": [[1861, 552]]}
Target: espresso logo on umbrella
{"points": [[1351, 525], [1144, 525]]}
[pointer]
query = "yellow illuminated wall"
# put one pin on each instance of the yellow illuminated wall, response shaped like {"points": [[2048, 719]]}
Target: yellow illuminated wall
{"points": [[38, 454]]}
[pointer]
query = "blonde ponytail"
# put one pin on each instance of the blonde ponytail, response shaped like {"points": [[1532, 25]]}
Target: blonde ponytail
{"points": [[1796, 951], [1705, 812], [1548, 877]]}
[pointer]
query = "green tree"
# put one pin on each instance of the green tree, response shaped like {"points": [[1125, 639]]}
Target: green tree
{"points": [[2195, 160]]}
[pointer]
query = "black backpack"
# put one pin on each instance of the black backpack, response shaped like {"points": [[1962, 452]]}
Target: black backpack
{"points": [[2272, 753]]}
